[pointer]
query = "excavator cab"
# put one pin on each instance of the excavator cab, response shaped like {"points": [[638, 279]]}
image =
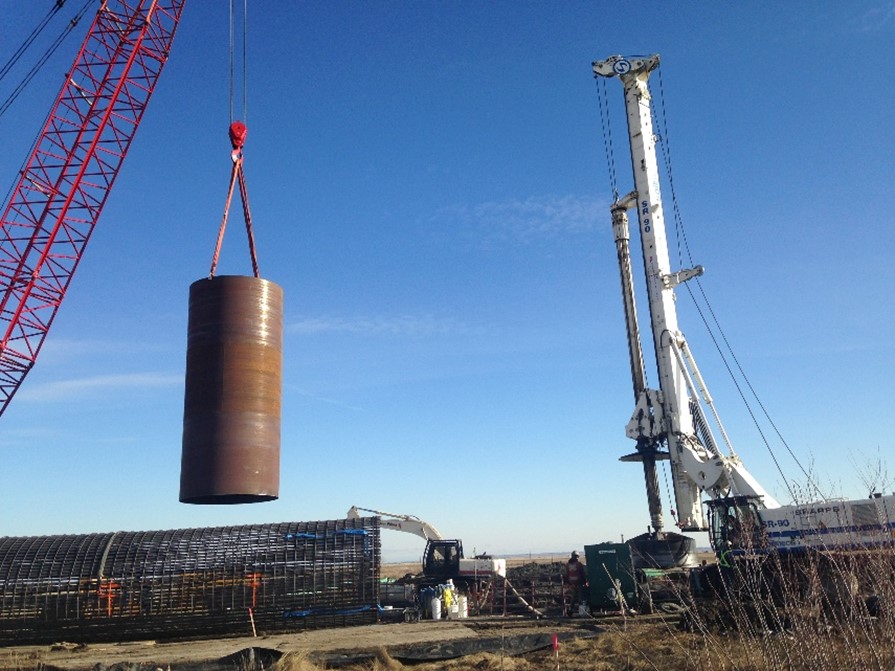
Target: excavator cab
{"points": [[442, 558], [735, 524]]}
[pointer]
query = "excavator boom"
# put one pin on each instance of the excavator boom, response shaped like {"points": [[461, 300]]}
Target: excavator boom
{"points": [[407, 523]]}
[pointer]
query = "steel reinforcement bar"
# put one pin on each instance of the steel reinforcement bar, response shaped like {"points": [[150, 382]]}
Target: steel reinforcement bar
{"points": [[189, 582]]}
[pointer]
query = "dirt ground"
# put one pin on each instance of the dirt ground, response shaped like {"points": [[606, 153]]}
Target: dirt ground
{"points": [[368, 638], [322, 643]]}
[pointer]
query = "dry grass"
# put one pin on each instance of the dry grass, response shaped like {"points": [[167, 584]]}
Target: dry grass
{"points": [[483, 661], [824, 611], [827, 612], [382, 661], [296, 661], [17, 660]]}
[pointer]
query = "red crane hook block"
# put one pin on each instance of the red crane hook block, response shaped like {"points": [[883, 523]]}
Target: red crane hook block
{"points": [[238, 132]]}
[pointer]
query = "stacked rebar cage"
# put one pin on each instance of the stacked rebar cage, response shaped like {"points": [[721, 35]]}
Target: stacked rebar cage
{"points": [[189, 582]]}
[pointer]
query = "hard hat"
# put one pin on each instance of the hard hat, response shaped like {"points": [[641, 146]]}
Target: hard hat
{"points": [[574, 554]]}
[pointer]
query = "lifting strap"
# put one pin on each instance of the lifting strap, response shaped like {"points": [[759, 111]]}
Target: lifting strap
{"points": [[238, 132]]}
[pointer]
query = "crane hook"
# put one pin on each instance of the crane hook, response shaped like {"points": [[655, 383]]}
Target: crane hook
{"points": [[237, 133]]}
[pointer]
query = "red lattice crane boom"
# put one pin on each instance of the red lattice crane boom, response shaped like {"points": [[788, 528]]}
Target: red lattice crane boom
{"points": [[65, 182]]}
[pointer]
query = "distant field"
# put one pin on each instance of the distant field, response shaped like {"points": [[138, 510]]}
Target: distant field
{"points": [[400, 569]]}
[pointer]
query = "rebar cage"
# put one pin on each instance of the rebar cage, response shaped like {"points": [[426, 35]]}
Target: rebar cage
{"points": [[189, 582]]}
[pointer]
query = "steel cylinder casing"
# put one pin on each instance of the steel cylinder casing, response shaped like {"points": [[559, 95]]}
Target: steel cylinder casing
{"points": [[232, 400]]}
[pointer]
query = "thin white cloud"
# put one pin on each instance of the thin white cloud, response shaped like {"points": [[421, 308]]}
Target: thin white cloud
{"points": [[64, 349], [61, 390], [532, 220], [322, 399], [397, 325], [27, 436], [878, 19]]}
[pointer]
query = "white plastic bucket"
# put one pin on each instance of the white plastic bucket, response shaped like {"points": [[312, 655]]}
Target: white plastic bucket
{"points": [[435, 605]]}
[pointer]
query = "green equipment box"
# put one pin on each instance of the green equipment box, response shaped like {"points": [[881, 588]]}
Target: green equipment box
{"points": [[610, 575]]}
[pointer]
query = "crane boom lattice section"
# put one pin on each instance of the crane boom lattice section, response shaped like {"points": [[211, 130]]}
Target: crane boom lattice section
{"points": [[66, 180]]}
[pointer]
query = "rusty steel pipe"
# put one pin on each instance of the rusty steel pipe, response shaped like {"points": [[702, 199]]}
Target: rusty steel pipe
{"points": [[232, 399]]}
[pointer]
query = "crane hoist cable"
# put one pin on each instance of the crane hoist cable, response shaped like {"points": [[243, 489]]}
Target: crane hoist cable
{"points": [[245, 14], [603, 101], [237, 134], [46, 55], [57, 5], [668, 494]]}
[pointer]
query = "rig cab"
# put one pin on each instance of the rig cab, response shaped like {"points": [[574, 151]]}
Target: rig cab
{"points": [[736, 525]]}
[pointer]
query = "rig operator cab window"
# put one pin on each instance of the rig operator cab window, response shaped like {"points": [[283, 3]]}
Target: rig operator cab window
{"points": [[735, 524]]}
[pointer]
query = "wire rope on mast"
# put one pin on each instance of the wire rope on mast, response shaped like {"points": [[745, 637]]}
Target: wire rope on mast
{"points": [[717, 333]]}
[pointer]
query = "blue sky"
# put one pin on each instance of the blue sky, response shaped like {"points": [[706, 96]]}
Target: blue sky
{"points": [[430, 187]]}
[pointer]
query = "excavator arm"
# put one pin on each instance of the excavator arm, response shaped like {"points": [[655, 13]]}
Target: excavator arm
{"points": [[408, 523]]}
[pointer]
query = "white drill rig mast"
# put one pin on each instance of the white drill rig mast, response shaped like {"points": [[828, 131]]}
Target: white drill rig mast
{"points": [[743, 517], [669, 415]]}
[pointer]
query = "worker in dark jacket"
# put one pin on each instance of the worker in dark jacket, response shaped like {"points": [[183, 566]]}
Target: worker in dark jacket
{"points": [[575, 576]]}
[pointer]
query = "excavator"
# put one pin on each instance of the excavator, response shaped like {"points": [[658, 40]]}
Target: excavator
{"points": [[443, 559], [443, 562]]}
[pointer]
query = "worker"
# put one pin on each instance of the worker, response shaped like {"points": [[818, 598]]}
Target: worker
{"points": [[697, 580], [576, 580]]}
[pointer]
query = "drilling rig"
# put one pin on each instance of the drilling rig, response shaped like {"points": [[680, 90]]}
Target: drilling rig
{"points": [[713, 490]]}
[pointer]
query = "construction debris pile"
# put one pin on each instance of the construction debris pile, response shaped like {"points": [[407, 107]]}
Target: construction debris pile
{"points": [[189, 582]]}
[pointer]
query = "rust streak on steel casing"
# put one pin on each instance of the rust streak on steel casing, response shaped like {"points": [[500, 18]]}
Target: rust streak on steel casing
{"points": [[231, 416]]}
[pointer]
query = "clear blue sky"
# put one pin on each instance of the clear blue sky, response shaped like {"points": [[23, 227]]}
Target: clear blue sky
{"points": [[430, 187]]}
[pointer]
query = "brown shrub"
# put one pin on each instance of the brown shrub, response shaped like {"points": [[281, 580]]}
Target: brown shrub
{"points": [[296, 661], [382, 661]]}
